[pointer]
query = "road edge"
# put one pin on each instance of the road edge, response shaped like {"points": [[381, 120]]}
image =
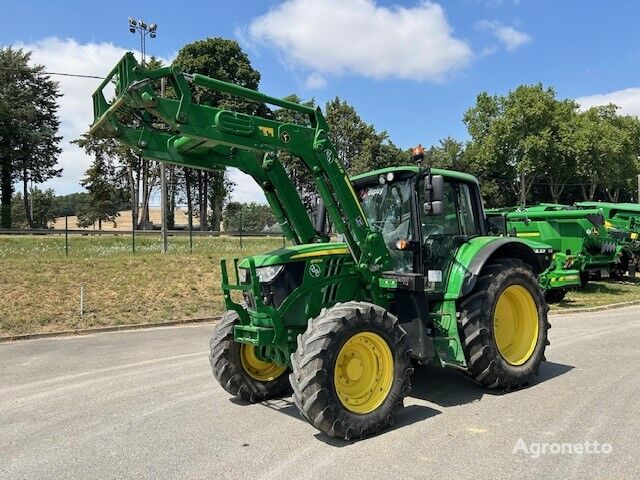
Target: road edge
{"points": [[173, 323], [611, 306], [109, 328]]}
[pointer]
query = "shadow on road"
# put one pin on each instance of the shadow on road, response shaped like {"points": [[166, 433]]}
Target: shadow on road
{"points": [[441, 386], [447, 387]]}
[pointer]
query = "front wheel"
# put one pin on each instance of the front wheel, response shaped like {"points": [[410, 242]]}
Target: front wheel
{"points": [[351, 370], [239, 368], [503, 326]]}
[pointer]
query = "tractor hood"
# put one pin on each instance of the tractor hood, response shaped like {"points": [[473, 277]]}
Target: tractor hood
{"points": [[296, 253]]}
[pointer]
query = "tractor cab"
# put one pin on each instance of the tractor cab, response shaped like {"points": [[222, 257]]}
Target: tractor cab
{"points": [[423, 215]]}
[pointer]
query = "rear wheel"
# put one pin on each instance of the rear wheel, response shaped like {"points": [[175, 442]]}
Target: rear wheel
{"points": [[351, 370], [503, 326], [239, 368]]}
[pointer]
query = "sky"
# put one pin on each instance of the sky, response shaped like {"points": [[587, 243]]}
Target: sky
{"points": [[409, 67]]}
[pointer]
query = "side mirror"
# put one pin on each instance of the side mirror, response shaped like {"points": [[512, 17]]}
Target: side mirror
{"points": [[434, 194], [437, 188]]}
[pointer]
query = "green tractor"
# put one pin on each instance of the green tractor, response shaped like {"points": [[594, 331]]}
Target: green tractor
{"points": [[415, 277]]}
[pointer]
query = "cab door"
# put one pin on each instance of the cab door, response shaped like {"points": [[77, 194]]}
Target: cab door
{"points": [[442, 235]]}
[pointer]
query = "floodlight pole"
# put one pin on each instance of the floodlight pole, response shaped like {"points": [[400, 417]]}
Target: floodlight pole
{"points": [[163, 189]]}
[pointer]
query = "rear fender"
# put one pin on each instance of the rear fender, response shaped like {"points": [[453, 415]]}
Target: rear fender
{"points": [[473, 255]]}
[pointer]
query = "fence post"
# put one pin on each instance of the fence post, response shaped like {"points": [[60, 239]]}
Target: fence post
{"points": [[133, 233], [66, 235], [241, 227], [190, 232]]}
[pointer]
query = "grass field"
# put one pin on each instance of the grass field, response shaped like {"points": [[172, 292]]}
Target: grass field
{"points": [[41, 286]]}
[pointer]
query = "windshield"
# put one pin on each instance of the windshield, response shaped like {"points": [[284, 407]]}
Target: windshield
{"points": [[388, 211]]}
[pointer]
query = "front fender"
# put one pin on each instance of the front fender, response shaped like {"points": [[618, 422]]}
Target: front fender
{"points": [[474, 254]]}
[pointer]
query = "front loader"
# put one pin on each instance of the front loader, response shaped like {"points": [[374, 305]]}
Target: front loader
{"points": [[416, 275]]}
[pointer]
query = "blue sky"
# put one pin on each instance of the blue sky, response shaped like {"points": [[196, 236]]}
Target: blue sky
{"points": [[409, 67]]}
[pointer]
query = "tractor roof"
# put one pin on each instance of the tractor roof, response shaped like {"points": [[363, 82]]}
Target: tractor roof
{"points": [[465, 177]]}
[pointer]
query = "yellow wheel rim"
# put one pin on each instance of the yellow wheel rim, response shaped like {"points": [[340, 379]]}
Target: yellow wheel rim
{"points": [[515, 324], [256, 368], [363, 373]]}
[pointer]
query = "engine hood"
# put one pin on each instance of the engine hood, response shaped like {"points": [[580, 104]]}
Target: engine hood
{"points": [[296, 253]]}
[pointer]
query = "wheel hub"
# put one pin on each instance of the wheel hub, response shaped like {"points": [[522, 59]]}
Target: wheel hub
{"points": [[363, 373], [515, 324], [257, 368]]}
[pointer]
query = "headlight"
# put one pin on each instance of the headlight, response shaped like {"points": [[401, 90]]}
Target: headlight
{"points": [[267, 274]]}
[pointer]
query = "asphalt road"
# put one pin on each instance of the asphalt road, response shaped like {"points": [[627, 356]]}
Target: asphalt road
{"points": [[143, 404]]}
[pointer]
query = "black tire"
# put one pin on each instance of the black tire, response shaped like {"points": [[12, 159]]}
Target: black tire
{"points": [[584, 279], [555, 295], [485, 363], [620, 269], [229, 371], [314, 363]]}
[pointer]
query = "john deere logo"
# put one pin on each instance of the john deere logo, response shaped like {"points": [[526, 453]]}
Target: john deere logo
{"points": [[314, 270], [285, 137]]}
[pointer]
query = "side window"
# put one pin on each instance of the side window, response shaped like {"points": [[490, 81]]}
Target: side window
{"points": [[447, 223], [468, 222]]}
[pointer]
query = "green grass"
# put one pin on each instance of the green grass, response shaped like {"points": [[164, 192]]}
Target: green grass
{"points": [[605, 292], [41, 286]]}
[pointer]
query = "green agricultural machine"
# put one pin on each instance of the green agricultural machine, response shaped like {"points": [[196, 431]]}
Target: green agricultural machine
{"points": [[578, 237], [415, 278], [622, 220]]}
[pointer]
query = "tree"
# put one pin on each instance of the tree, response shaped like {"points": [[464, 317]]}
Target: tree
{"points": [[106, 197], [224, 60], [128, 168], [607, 146], [28, 128], [448, 154], [248, 217], [359, 145], [43, 205], [298, 172], [519, 139]]}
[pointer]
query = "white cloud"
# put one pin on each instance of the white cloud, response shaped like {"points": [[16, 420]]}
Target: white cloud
{"points": [[363, 38], [315, 81], [76, 108], [76, 111], [627, 99], [506, 34]]}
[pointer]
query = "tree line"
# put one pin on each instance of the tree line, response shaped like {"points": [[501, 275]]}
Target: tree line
{"points": [[525, 147]]}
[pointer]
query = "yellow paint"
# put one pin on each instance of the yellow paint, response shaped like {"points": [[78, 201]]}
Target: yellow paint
{"points": [[363, 373], [515, 324], [608, 224], [565, 278], [266, 131], [321, 253], [256, 368], [528, 234], [634, 236]]}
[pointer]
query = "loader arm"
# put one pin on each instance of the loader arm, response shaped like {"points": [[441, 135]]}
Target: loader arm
{"points": [[181, 132]]}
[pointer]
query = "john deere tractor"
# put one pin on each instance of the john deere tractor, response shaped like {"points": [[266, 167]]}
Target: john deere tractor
{"points": [[415, 275]]}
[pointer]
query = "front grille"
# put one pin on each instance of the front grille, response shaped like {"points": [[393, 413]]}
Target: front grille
{"points": [[334, 267]]}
